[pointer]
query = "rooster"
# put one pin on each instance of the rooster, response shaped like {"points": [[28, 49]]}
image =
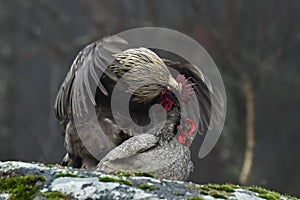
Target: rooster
{"points": [[157, 150]]}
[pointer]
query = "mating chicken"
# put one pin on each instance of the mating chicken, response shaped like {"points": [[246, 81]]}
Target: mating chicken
{"points": [[164, 149]]}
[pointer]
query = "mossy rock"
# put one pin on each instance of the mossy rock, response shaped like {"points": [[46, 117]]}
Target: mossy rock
{"points": [[148, 187], [128, 174], [114, 180], [22, 187], [55, 195], [68, 175], [29, 181]]}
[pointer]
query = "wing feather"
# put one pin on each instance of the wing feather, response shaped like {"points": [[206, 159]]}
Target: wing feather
{"points": [[86, 71]]}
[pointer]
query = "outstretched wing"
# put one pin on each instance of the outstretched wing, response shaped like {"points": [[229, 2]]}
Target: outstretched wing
{"points": [[204, 93], [87, 68]]}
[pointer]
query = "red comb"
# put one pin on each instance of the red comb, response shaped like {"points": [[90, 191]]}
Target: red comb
{"points": [[187, 88]]}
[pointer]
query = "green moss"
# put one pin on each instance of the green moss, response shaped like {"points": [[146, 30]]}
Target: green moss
{"points": [[257, 189], [263, 193], [226, 188], [148, 187], [217, 194], [204, 192], [198, 188], [50, 166], [145, 174], [122, 173], [195, 198], [23, 187], [115, 180], [214, 190], [55, 195], [68, 175], [268, 196]]}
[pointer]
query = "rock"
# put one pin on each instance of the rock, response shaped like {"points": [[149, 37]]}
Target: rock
{"points": [[20, 180]]}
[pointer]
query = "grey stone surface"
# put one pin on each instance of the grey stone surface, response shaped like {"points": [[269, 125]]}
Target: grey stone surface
{"points": [[90, 184]]}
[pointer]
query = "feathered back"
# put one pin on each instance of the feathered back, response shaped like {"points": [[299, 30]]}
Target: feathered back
{"points": [[144, 72]]}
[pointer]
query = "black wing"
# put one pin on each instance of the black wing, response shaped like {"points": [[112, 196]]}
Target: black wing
{"points": [[86, 68]]}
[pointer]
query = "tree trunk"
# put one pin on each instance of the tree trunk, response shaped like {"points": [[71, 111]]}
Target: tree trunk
{"points": [[250, 136]]}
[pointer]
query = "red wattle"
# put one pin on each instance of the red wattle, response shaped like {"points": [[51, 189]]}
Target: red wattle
{"points": [[187, 134], [182, 139], [192, 127], [167, 101]]}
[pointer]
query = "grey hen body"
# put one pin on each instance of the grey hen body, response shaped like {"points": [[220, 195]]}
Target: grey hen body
{"points": [[156, 151]]}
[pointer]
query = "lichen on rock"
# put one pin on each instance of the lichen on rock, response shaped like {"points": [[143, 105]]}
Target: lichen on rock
{"points": [[20, 180]]}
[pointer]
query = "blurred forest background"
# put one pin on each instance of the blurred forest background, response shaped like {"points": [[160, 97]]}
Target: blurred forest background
{"points": [[255, 44]]}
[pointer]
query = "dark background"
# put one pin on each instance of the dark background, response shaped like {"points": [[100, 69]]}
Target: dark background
{"points": [[255, 44]]}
